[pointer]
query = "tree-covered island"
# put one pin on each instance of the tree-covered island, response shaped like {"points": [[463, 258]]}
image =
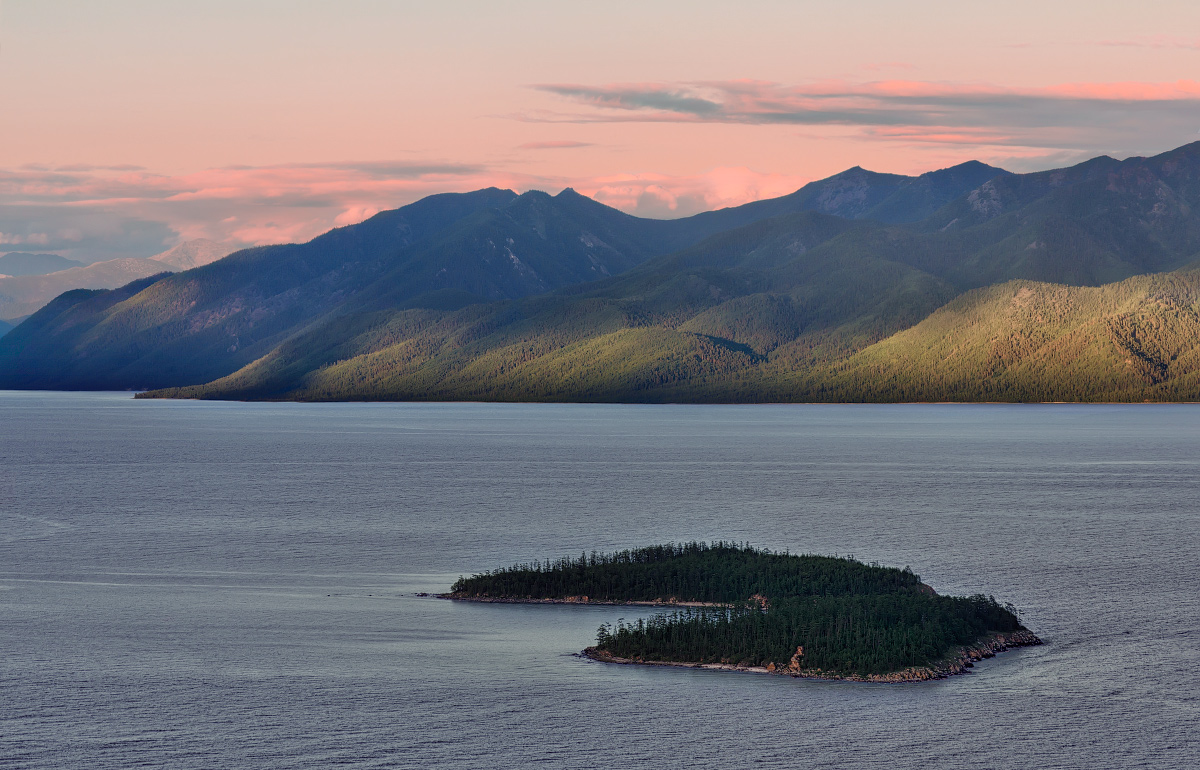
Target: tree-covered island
{"points": [[738, 607]]}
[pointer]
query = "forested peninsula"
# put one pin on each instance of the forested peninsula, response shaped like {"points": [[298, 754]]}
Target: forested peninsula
{"points": [[742, 608]]}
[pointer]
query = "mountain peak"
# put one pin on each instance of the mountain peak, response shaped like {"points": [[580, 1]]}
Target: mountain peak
{"points": [[571, 195], [193, 253], [973, 165], [493, 190], [972, 172]]}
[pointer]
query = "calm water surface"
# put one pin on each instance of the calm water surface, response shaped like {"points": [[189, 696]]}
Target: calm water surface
{"points": [[209, 585]]}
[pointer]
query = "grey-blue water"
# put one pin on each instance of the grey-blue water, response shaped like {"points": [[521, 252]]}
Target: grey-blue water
{"points": [[209, 585]]}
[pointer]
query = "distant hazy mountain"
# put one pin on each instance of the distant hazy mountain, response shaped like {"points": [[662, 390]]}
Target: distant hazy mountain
{"points": [[194, 253], [22, 295], [17, 263], [5, 328], [830, 293]]}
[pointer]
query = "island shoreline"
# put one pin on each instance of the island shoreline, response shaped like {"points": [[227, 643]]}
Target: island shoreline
{"points": [[960, 661]]}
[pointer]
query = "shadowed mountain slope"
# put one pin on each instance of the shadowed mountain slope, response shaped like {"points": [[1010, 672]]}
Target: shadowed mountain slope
{"points": [[1098, 222], [778, 290]]}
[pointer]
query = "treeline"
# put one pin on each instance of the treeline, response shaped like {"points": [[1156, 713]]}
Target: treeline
{"points": [[843, 635], [688, 572]]}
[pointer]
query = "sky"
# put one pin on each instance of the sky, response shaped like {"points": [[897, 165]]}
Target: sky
{"points": [[127, 126]]}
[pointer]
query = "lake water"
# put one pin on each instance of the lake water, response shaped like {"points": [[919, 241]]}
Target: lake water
{"points": [[213, 585]]}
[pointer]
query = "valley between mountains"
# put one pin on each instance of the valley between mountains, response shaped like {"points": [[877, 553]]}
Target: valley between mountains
{"points": [[965, 284]]}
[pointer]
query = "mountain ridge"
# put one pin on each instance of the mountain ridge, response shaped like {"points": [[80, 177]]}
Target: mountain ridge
{"points": [[506, 297], [443, 252]]}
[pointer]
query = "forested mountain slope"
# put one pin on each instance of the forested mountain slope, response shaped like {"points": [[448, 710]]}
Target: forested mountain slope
{"points": [[1019, 341], [779, 290], [202, 323], [1023, 341]]}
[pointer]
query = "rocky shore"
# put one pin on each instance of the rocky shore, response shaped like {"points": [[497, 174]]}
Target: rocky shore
{"points": [[958, 663]]}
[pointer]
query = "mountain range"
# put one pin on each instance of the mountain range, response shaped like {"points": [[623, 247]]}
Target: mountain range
{"points": [[968, 283]]}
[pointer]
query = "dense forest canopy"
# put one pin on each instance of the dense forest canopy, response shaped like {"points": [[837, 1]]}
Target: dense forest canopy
{"points": [[688, 572], [801, 613]]}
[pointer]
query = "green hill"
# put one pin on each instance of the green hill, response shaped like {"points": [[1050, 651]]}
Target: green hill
{"points": [[1022, 341]]}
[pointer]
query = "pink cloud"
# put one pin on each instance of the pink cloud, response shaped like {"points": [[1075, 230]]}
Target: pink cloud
{"points": [[244, 205], [282, 204]]}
